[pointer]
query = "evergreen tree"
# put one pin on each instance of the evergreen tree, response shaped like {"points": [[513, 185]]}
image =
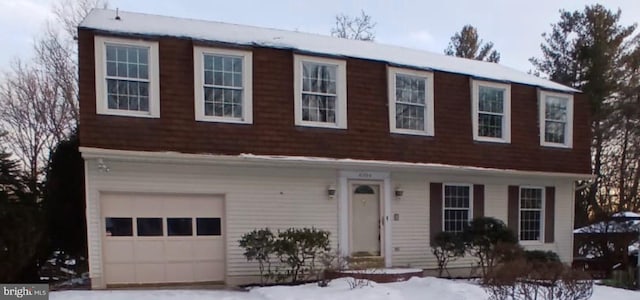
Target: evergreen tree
{"points": [[64, 199], [585, 50], [21, 230], [467, 44]]}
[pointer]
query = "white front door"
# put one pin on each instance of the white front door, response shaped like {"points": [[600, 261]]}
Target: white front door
{"points": [[365, 220]]}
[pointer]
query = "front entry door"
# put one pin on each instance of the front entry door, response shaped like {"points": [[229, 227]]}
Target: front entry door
{"points": [[365, 220]]}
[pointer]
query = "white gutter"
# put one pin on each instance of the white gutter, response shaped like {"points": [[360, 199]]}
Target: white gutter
{"points": [[320, 162]]}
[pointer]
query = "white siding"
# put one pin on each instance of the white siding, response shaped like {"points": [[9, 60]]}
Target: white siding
{"points": [[254, 198], [279, 197]]}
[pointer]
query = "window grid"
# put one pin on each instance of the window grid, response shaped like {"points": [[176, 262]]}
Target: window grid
{"points": [[555, 118], [319, 92], [127, 77], [410, 102], [223, 86], [530, 214], [457, 207], [490, 111]]}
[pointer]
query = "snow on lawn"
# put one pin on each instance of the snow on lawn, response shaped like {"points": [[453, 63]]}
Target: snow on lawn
{"points": [[416, 288]]}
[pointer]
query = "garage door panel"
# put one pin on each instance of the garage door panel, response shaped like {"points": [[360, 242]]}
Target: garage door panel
{"points": [[205, 271], [148, 207], [180, 272], [179, 250], [150, 273], [150, 251], [117, 206], [210, 205], [182, 257], [120, 251], [119, 273], [203, 249]]}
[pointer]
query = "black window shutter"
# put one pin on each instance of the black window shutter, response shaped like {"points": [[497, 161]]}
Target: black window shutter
{"points": [[513, 208], [549, 214], [478, 200], [435, 209]]}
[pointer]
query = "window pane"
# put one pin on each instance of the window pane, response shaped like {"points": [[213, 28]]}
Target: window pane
{"points": [[318, 108], [410, 89], [149, 226], [208, 226], [490, 125], [118, 226], [179, 227], [554, 132], [320, 78], [491, 99], [530, 213], [456, 207], [556, 109], [409, 116]]}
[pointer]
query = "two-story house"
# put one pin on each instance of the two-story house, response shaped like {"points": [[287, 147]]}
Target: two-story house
{"points": [[196, 132]]}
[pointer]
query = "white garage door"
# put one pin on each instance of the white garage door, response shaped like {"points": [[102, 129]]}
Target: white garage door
{"points": [[150, 238]]}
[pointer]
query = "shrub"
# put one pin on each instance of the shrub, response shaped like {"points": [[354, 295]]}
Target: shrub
{"points": [[482, 235], [540, 256], [298, 249], [259, 245], [446, 247], [520, 279]]}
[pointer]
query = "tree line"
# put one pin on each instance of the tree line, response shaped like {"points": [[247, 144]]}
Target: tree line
{"points": [[41, 171]]}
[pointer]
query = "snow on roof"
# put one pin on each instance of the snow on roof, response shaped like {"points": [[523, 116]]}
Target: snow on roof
{"points": [[145, 24], [611, 227], [627, 214]]}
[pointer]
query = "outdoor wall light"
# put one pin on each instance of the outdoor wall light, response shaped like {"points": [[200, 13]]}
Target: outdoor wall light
{"points": [[399, 193], [331, 191]]}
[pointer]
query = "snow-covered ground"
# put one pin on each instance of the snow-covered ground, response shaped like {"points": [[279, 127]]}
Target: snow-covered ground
{"points": [[415, 288]]}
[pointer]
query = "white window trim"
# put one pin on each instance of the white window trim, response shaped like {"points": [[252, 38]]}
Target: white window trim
{"points": [[540, 240], [428, 101], [506, 120], [247, 84], [102, 107], [444, 185], [341, 91], [542, 98]]}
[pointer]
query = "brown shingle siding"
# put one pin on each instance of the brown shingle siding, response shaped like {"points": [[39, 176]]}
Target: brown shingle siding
{"points": [[367, 137]]}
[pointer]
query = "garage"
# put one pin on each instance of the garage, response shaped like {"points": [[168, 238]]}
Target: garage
{"points": [[156, 238]]}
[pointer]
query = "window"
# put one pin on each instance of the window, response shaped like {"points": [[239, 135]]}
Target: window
{"points": [[457, 207], [320, 92], [149, 226], [179, 227], [208, 226], [556, 119], [118, 226], [410, 101], [531, 207], [127, 79], [491, 111], [223, 85]]}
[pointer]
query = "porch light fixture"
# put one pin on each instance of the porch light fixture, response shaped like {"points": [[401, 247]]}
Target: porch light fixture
{"points": [[103, 166], [399, 192], [331, 191]]}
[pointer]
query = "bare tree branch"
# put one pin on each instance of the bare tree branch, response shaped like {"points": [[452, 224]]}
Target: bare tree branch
{"points": [[354, 28]]}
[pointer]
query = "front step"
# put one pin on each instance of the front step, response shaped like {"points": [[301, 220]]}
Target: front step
{"points": [[365, 262]]}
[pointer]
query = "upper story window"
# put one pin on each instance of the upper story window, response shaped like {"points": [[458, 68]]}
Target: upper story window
{"points": [[531, 208], [491, 111], [456, 207], [410, 101], [223, 85], [556, 119], [127, 79], [320, 92]]}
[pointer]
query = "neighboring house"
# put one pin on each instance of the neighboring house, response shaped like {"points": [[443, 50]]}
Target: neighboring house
{"points": [[196, 132]]}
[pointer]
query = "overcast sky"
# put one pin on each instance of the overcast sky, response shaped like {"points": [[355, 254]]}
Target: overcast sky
{"points": [[514, 26]]}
